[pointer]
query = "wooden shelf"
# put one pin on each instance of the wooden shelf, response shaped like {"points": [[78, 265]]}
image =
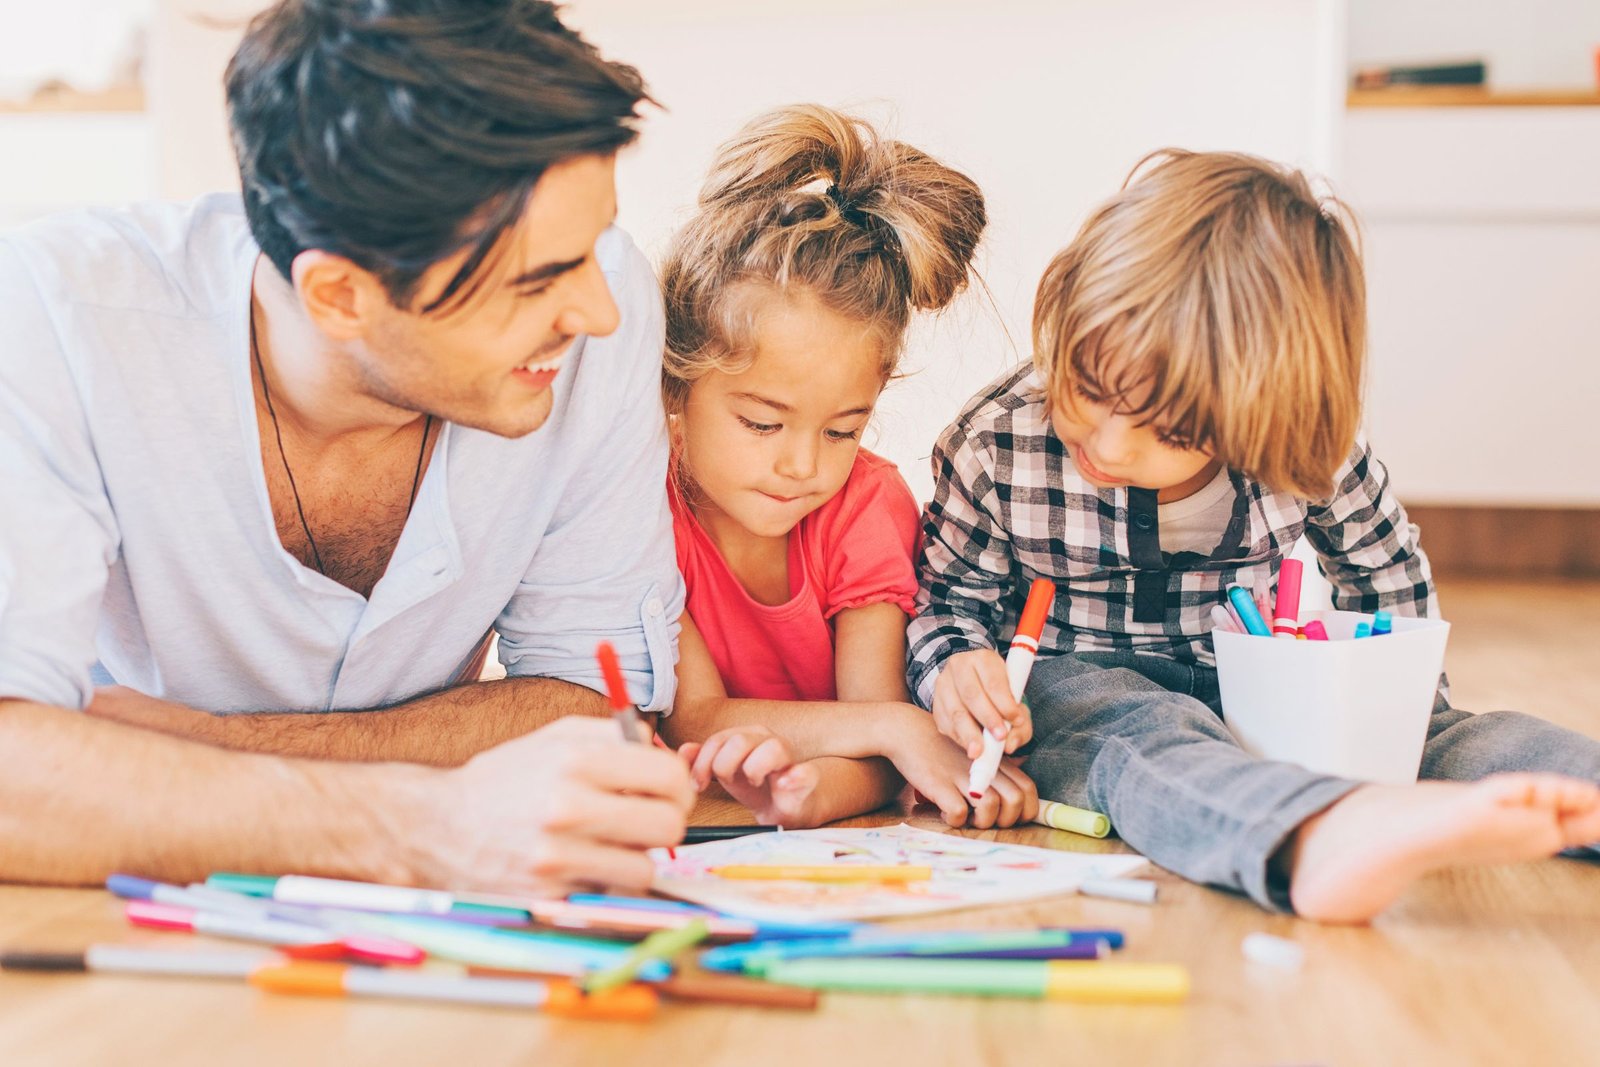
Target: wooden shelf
{"points": [[1470, 96], [57, 101]]}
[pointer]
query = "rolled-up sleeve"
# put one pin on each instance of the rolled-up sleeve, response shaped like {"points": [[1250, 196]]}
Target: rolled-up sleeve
{"points": [[58, 536], [606, 568]]}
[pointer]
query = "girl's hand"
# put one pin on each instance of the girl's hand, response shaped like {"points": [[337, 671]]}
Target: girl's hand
{"points": [[938, 769], [754, 765], [973, 694]]}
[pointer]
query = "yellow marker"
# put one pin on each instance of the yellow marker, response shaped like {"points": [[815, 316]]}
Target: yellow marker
{"points": [[840, 872], [1076, 820]]}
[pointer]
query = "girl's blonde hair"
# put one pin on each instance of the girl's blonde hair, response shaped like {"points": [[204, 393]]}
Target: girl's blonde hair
{"points": [[1220, 298], [813, 199]]}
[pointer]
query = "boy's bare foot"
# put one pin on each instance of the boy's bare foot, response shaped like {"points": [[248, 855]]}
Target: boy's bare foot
{"points": [[1352, 860]]}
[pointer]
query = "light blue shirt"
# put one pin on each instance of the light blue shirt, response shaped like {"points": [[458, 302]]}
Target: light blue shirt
{"points": [[137, 544]]}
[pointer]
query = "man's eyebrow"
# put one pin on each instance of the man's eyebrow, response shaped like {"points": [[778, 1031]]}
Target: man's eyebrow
{"points": [[548, 271]]}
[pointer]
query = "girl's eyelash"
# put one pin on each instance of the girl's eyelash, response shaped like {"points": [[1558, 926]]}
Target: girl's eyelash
{"points": [[843, 435], [757, 427]]}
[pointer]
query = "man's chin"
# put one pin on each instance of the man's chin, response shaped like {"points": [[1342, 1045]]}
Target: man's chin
{"points": [[525, 418]]}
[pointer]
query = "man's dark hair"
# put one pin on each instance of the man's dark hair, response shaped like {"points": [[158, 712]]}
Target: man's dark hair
{"points": [[397, 133]]}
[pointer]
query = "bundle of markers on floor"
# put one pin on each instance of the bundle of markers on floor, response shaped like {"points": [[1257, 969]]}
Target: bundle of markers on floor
{"points": [[589, 956], [1240, 615]]}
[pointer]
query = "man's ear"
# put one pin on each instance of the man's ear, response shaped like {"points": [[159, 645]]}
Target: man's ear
{"points": [[342, 299]]}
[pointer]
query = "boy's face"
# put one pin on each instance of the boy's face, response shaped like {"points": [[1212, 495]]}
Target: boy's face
{"points": [[1113, 449]]}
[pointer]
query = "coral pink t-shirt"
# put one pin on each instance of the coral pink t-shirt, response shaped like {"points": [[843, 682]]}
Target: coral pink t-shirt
{"points": [[857, 549]]}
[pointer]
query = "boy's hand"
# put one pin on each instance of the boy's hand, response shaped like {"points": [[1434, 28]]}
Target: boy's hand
{"points": [[973, 694], [756, 768], [938, 769]]}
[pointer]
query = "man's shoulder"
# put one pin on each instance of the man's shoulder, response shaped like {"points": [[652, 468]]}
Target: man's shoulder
{"points": [[155, 257]]}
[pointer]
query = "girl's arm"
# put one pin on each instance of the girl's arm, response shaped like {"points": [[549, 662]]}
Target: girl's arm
{"points": [[745, 738], [864, 723]]}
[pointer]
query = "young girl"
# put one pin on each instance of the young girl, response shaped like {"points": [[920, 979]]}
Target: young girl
{"points": [[788, 296], [1191, 412]]}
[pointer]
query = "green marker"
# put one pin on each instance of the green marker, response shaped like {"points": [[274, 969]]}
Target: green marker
{"points": [[661, 945], [1101, 983]]}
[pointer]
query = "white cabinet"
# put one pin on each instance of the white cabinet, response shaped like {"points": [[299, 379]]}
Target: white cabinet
{"points": [[1483, 264]]}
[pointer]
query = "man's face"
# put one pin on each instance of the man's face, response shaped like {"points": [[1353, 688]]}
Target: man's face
{"points": [[490, 362]]}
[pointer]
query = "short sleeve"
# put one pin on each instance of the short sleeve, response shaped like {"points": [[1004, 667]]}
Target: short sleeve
{"points": [[58, 536], [869, 535], [605, 569]]}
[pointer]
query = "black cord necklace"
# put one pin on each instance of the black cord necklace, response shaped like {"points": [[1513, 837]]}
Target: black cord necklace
{"points": [[277, 432]]}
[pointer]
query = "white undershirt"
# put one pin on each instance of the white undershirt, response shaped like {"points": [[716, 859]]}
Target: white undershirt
{"points": [[1197, 522]]}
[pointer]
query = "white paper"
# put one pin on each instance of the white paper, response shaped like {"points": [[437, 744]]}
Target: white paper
{"points": [[966, 873]]}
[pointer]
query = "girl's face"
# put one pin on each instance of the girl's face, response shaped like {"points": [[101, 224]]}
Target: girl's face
{"points": [[767, 446], [1112, 449]]}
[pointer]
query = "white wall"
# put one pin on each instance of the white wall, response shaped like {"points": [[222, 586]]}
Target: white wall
{"points": [[1046, 104], [1527, 43]]}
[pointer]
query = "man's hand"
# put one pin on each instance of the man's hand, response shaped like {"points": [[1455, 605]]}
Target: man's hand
{"points": [[566, 807], [973, 694]]}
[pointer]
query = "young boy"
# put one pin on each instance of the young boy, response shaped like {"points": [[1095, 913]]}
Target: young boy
{"points": [[1192, 411]]}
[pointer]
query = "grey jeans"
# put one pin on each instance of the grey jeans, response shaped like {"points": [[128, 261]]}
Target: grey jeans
{"points": [[1141, 739]]}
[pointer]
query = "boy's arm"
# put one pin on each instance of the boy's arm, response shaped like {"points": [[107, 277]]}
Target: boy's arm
{"points": [[965, 574], [1368, 547]]}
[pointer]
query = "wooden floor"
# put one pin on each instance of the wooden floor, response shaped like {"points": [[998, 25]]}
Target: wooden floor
{"points": [[1491, 966]]}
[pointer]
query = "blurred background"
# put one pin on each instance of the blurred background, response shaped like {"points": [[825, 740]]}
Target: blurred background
{"points": [[1466, 136]]}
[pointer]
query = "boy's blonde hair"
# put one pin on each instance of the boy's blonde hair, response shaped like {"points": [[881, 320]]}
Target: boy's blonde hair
{"points": [[812, 199], [1221, 299]]}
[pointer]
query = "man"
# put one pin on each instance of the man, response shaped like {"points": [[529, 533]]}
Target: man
{"points": [[304, 455]]}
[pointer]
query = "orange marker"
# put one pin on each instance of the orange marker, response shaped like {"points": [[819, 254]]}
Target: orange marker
{"points": [[1019, 663], [632, 1003]]}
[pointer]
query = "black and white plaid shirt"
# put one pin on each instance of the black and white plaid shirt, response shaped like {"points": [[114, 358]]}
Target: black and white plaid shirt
{"points": [[1009, 506]]}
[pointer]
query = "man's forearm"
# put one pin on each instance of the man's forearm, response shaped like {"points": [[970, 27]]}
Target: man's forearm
{"points": [[443, 729], [81, 799]]}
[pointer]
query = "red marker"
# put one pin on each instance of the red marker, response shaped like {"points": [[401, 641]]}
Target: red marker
{"points": [[622, 709], [1286, 612], [1019, 663]]}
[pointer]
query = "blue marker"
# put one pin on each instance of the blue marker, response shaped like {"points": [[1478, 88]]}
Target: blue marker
{"points": [[1382, 623], [1245, 605], [1363, 629]]}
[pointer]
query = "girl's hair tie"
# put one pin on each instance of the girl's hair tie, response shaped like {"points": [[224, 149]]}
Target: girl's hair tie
{"points": [[852, 214]]}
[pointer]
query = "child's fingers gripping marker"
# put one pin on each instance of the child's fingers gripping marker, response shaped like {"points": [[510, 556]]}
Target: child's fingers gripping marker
{"points": [[1019, 664]]}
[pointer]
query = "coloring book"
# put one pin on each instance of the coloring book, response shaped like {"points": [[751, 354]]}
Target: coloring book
{"points": [[966, 873]]}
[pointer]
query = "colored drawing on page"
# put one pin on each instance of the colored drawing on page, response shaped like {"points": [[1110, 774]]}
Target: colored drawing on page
{"points": [[966, 873]]}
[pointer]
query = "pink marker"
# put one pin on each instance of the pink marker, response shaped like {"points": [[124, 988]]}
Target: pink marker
{"points": [[266, 930], [1315, 631], [1286, 613]]}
